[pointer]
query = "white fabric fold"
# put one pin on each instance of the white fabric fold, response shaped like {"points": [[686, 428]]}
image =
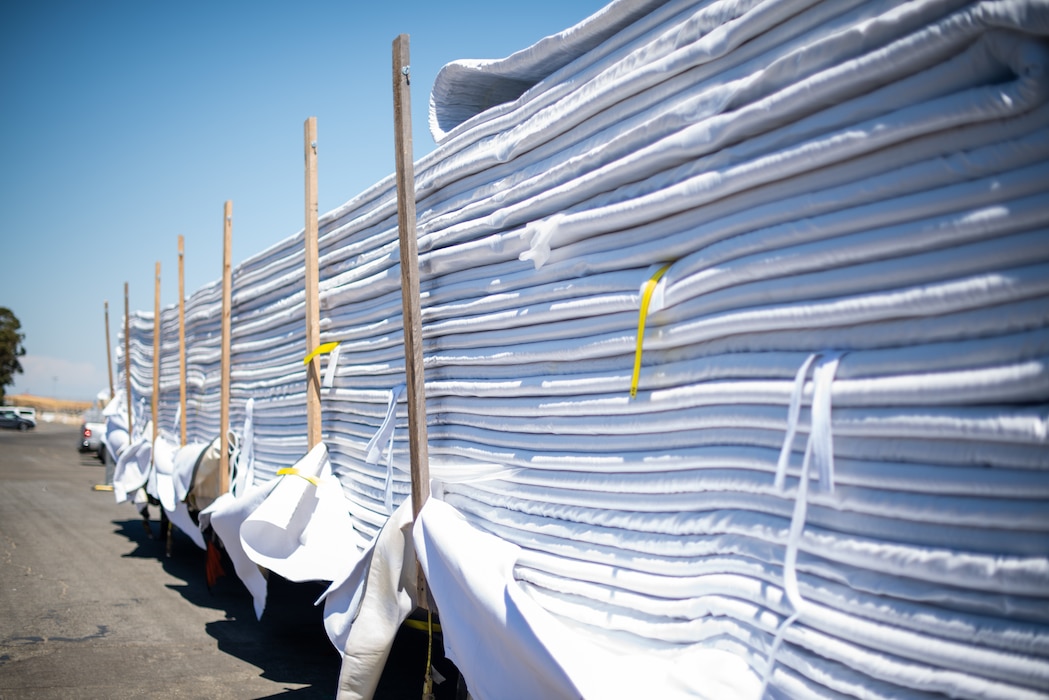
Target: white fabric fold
{"points": [[132, 469], [165, 458], [224, 516], [466, 88], [116, 436], [164, 464], [185, 462], [302, 530], [180, 517], [363, 612], [507, 645]]}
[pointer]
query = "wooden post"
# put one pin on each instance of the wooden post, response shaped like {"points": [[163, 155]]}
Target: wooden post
{"points": [[410, 305], [154, 409], [109, 355], [227, 299], [313, 332], [182, 340], [127, 359]]}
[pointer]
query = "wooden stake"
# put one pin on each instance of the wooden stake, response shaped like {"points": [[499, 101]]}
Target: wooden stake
{"points": [[227, 303], [127, 359], [313, 318], [182, 340], [156, 354], [410, 305], [109, 355]]}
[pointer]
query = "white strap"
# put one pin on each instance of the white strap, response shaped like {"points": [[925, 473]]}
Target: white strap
{"points": [[819, 448], [387, 498], [385, 431], [329, 370], [384, 437], [790, 558], [793, 411], [140, 420], [246, 471], [821, 435]]}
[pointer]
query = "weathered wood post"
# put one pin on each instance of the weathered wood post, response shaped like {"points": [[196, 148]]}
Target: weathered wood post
{"points": [[410, 304], [313, 333], [155, 403], [227, 303], [127, 359], [109, 355], [182, 340]]}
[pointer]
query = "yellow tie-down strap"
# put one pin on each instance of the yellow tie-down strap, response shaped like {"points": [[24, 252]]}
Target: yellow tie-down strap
{"points": [[646, 299], [420, 625], [321, 349], [292, 471]]}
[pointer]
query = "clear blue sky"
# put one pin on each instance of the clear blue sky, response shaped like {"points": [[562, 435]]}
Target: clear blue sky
{"points": [[125, 124]]}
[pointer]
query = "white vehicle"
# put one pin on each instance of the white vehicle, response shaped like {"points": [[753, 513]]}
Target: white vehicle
{"points": [[92, 428]]}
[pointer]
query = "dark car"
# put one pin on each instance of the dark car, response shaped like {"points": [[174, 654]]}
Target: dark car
{"points": [[10, 419]]}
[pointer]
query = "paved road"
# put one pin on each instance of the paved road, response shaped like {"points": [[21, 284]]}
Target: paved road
{"points": [[90, 608]]}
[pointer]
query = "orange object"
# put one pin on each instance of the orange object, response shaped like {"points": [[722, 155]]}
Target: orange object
{"points": [[213, 568]]}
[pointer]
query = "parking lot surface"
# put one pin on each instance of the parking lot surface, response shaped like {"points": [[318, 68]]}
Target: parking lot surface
{"points": [[91, 608]]}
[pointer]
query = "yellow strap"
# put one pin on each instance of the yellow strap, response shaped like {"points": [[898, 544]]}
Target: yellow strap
{"points": [[646, 298], [420, 625], [321, 349], [292, 471]]}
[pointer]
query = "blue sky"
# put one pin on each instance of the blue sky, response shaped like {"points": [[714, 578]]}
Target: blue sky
{"points": [[125, 124]]}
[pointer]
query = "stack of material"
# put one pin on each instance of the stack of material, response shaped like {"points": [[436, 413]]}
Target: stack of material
{"points": [[140, 346], [842, 209], [203, 319], [735, 326]]}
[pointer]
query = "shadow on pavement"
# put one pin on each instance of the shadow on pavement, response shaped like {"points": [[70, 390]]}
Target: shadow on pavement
{"points": [[90, 459], [289, 644]]}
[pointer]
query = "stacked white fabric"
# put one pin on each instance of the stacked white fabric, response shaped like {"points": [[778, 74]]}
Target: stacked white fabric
{"points": [[141, 350], [835, 217], [268, 345], [862, 184], [203, 318]]}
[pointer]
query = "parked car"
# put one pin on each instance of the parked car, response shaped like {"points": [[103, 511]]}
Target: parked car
{"points": [[10, 419], [92, 429], [24, 411]]}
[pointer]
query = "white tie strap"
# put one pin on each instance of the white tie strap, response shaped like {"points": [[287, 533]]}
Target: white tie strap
{"points": [[245, 462], [820, 448], [384, 437], [329, 370]]}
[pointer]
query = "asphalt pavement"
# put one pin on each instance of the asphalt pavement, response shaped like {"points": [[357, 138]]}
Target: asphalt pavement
{"points": [[91, 608]]}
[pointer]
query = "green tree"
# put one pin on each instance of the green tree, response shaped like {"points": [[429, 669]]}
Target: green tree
{"points": [[10, 348]]}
